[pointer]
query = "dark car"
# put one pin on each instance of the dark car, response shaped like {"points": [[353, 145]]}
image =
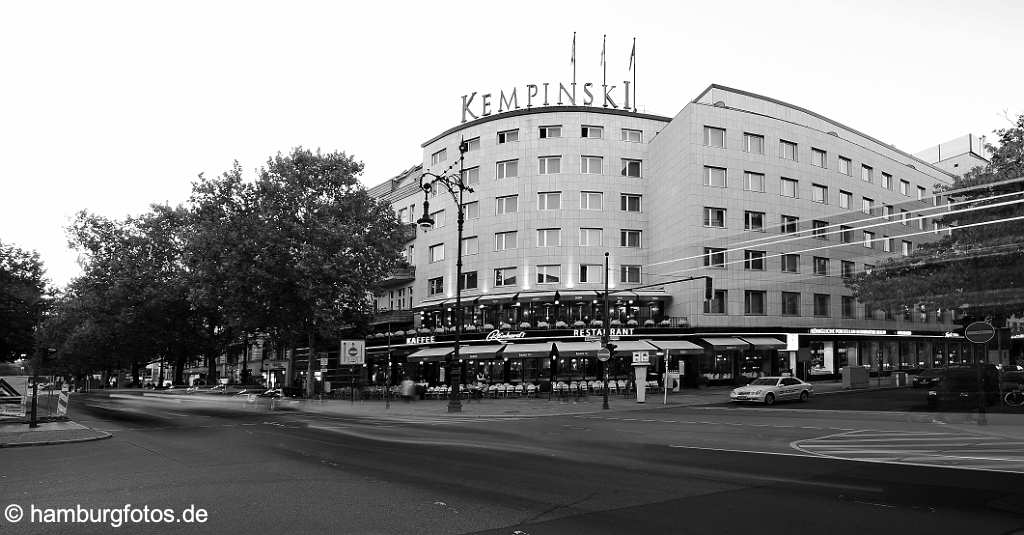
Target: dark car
{"points": [[927, 377], [1011, 380], [958, 387]]}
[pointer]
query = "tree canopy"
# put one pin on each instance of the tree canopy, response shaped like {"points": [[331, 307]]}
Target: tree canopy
{"points": [[978, 265], [23, 293]]}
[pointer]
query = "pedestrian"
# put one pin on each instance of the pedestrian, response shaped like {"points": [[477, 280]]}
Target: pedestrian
{"points": [[408, 389]]}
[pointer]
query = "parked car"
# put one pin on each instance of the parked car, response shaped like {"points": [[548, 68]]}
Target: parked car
{"points": [[958, 387], [927, 377], [271, 393], [768, 390]]}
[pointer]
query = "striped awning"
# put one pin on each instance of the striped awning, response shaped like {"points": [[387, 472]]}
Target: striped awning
{"points": [[726, 343], [431, 354], [764, 342], [677, 347], [481, 352], [628, 346], [577, 349], [527, 351]]}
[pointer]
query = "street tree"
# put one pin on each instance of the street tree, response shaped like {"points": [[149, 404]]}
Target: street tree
{"points": [[23, 300]]}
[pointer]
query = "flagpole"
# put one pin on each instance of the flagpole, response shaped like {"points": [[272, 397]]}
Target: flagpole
{"points": [[573, 61], [635, 110], [604, 62]]}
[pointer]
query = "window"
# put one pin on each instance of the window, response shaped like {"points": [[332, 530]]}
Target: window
{"points": [[845, 234], [630, 274], [505, 276], [549, 200], [905, 248], [868, 268], [790, 304], [591, 200], [714, 137], [550, 131], [507, 169], [508, 136], [472, 144], [436, 252], [550, 165], [867, 205], [920, 223], [753, 143], [819, 193], [403, 215], [472, 210], [751, 181], [438, 218], [790, 263], [754, 302], [845, 197], [506, 205], [822, 304], [590, 165], [714, 257], [922, 194], [820, 265], [439, 157], [886, 181], [886, 244], [849, 309], [549, 237], [632, 136], [549, 274], [591, 273], [631, 167], [789, 224], [753, 260], [787, 150], [592, 132], [471, 176], [629, 238], [847, 269], [714, 176], [845, 166], [819, 229], [869, 238], [904, 217], [753, 221], [470, 245], [905, 188], [468, 281], [717, 304], [867, 174], [629, 202], [789, 187], [504, 241], [819, 158], [591, 236], [888, 212], [435, 286], [714, 217]]}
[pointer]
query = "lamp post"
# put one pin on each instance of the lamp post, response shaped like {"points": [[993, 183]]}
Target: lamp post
{"points": [[456, 187], [606, 337]]}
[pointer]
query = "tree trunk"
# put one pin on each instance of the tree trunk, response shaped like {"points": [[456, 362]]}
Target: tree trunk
{"points": [[136, 382], [311, 334]]}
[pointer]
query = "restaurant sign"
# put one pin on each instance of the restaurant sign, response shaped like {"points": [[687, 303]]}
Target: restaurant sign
{"points": [[875, 332], [600, 332], [504, 335]]}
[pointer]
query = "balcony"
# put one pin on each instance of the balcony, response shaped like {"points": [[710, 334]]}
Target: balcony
{"points": [[408, 232], [399, 276], [396, 317]]}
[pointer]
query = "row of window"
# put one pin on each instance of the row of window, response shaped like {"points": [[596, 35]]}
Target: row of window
{"points": [[755, 304], [546, 200], [754, 260], [553, 131], [545, 274], [552, 165], [788, 150], [546, 237], [754, 221]]}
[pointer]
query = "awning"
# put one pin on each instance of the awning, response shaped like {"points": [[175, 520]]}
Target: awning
{"points": [[677, 347], [727, 343], [764, 342], [577, 349], [527, 351], [431, 354], [628, 346], [482, 352]]}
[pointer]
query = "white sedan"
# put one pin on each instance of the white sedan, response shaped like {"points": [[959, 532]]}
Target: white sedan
{"points": [[768, 390]]}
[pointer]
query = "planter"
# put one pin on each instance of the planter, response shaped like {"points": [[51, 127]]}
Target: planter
{"points": [[488, 327], [525, 325], [578, 323], [649, 323], [543, 325], [564, 325]]}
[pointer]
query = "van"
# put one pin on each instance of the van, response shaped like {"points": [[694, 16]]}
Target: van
{"points": [[957, 387]]}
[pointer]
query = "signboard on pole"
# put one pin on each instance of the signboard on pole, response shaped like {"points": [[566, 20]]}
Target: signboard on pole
{"points": [[979, 332], [641, 358], [603, 354], [353, 352], [62, 404], [13, 406]]}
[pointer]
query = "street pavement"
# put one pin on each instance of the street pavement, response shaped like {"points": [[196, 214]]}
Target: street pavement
{"points": [[18, 434], [675, 469]]}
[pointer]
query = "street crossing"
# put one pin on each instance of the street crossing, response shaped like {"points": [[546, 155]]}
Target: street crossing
{"points": [[955, 449]]}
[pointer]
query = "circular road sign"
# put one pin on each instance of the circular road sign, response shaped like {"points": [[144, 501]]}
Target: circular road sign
{"points": [[603, 354], [979, 332]]}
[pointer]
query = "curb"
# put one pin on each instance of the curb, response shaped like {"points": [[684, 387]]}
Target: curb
{"points": [[102, 436]]}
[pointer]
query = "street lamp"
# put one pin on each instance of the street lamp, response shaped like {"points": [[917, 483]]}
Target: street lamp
{"points": [[456, 187]]}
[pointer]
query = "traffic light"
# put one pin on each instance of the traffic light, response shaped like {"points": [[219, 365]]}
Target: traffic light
{"points": [[709, 291]]}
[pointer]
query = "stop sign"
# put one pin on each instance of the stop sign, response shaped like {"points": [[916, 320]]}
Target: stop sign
{"points": [[603, 354]]}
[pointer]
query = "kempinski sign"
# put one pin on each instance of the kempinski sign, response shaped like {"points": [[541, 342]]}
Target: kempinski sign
{"points": [[475, 106]]}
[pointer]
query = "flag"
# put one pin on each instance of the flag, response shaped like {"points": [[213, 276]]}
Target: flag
{"points": [[603, 39], [573, 58], [632, 55]]}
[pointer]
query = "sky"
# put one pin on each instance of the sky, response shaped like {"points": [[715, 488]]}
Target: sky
{"points": [[110, 106]]}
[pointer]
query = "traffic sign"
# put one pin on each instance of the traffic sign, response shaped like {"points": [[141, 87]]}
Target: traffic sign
{"points": [[980, 332], [603, 354], [352, 352], [641, 358]]}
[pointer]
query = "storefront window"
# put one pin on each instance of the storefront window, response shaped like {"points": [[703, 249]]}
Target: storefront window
{"points": [[755, 364], [842, 356], [908, 356], [717, 367]]}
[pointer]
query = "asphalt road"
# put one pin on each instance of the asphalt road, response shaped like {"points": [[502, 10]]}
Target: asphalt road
{"points": [[678, 470]]}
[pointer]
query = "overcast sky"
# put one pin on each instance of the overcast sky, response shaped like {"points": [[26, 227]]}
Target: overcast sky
{"points": [[110, 106]]}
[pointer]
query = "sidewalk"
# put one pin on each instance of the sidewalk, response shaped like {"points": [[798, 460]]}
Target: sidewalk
{"points": [[15, 434]]}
